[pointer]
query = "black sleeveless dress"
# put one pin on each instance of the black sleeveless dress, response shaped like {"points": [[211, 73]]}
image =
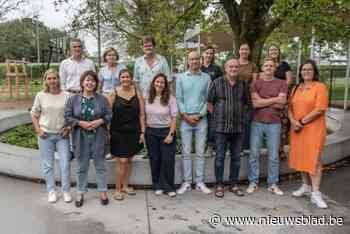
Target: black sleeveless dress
{"points": [[125, 127]]}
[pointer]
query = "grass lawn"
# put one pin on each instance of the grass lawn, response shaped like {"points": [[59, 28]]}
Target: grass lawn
{"points": [[338, 89]]}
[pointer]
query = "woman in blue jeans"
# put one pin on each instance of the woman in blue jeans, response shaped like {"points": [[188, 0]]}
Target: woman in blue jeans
{"points": [[48, 120], [161, 111], [89, 114]]}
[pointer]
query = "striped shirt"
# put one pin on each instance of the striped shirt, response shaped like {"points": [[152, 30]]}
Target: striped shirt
{"points": [[228, 102]]}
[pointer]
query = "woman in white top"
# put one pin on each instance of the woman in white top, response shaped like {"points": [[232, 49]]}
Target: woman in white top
{"points": [[161, 111], [109, 74], [48, 120]]}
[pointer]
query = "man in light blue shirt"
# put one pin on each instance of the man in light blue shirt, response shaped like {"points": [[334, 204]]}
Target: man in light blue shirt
{"points": [[149, 65], [191, 95]]}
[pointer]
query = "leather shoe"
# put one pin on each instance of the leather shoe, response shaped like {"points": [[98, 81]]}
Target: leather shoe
{"points": [[79, 200], [104, 202]]}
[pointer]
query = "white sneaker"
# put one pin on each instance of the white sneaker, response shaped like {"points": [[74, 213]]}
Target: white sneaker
{"points": [[185, 187], [203, 188], [52, 197], [67, 197], [158, 192], [171, 194], [303, 190], [275, 190], [252, 187], [316, 198]]}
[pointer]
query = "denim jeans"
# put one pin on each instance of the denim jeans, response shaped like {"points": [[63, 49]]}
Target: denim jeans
{"points": [[88, 144], [234, 141], [200, 132], [47, 147], [161, 158], [272, 133]]}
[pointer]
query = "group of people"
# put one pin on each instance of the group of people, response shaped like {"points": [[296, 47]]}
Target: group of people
{"points": [[117, 112]]}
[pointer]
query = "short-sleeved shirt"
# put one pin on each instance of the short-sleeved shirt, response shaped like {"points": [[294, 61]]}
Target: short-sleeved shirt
{"points": [[213, 70], [144, 74], [158, 115], [281, 70], [228, 102], [110, 78], [71, 70], [246, 71], [268, 89]]}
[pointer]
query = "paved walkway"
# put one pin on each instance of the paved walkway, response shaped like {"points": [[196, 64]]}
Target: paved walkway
{"points": [[24, 210]]}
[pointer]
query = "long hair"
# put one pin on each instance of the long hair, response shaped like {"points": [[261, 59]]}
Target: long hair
{"points": [[279, 52], [50, 71], [165, 95], [316, 73]]}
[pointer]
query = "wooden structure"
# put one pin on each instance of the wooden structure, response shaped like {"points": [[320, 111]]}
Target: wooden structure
{"points": [[16, 70]]}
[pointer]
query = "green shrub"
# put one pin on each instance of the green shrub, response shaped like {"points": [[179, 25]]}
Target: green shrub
{"points": [[23, 136]]}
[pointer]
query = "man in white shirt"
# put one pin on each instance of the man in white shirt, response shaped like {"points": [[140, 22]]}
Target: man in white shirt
{"points": [[72, 68], [149, 65]]}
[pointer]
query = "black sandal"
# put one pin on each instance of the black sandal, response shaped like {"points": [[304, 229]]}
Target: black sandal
{"points": [[219, 191], [236, 190]]}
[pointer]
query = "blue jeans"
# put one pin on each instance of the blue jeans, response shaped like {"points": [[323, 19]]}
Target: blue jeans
{"points": [[161, 158], [47, 147], [200, 132], [272, 133], [234, 141], [88, 144]]}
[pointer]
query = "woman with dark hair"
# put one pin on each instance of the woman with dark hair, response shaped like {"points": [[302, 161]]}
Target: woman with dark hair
{"points": [[109, 74], [127, 130], [214, 71], [283, 72], [248, 72], [307, 107], [89, 114], [161, 111]]}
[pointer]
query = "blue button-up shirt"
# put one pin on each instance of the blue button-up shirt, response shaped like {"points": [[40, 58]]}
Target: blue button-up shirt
{"points": [[108, 78], [144, 74], [192, 92]]}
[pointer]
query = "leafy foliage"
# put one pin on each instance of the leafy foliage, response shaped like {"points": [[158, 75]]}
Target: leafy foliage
{"points": [[18, 38], [23, 136]]}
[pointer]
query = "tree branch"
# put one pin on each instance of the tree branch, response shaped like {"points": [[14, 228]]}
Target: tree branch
{"points": [[232, 9], [186, 12]]}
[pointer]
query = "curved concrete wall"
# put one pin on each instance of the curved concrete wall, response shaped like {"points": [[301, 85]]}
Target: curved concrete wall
{"points": [[24, 162]]}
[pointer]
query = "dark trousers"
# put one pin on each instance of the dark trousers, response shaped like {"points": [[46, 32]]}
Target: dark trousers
{"points": [[248, 117], [162, 158], [234, 142], [211, 130]]}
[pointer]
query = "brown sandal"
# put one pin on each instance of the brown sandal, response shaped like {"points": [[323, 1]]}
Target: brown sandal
{"points": [[236, 190], [219, 191]]}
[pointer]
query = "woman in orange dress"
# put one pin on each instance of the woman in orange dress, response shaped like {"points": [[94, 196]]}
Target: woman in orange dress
{"points": [[307, 106]]}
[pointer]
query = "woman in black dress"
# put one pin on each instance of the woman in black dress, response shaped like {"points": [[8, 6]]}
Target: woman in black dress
{"points": [[283, 72], [127, 130]]}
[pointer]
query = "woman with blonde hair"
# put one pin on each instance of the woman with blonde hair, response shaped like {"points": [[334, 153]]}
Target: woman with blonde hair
{"points": [[109, 74], [48, 120]]}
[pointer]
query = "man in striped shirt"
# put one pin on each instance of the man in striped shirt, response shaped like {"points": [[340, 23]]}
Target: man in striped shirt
{"points": [[226, 99]]}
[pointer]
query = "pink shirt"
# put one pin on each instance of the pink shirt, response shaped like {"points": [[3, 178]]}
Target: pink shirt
{"points": [[159, 116]]}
